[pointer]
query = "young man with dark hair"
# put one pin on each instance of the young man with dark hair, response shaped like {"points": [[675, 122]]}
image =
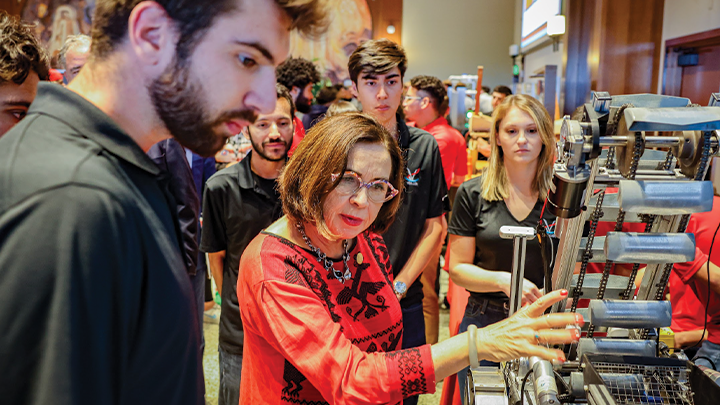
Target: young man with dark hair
{"points": [[23, 63], [97, 303], [299, 76], [239, 202], [376, 69], [498, 95], [425, 103]]}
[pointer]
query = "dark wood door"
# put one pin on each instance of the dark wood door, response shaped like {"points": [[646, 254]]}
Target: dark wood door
{"points": [[703, 79]]}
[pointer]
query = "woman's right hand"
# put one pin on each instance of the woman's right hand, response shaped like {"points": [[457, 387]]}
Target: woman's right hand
{"points": [[530, 292], [528, 331]]}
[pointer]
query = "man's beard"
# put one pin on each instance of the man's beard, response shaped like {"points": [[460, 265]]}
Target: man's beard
{"points": [[181, 104], [260, 150], [302, 104]]}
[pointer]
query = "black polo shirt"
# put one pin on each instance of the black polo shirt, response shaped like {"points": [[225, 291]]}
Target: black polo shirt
{"points": [[475, 217], [95, 302], [425, 197], [237, 205]]}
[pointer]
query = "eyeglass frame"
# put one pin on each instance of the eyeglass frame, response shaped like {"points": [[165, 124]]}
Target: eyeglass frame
{"points": [[393, 191], [413, 98]]}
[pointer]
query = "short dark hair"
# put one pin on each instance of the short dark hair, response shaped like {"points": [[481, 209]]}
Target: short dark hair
{"points": [[20, 52], [503, 90], [193, 19], [377, 56], [434, 88], [305, 182], [282, 92], [297, 72], [486, 89], [326, 95]]}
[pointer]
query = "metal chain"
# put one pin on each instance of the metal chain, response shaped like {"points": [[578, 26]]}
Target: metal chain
{"points": [[668, 161], [587, 253], [620, 218], [611, 128], [610, 162], [323, 259]]}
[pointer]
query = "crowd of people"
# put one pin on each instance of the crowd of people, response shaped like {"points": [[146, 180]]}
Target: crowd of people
{"points": [[323, 236]]}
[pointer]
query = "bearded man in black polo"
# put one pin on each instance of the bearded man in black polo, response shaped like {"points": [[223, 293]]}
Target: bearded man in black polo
{"points": [[97, 306]]}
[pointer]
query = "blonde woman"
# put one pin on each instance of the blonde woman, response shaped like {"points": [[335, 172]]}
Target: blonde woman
{"points": [[511, 192]]}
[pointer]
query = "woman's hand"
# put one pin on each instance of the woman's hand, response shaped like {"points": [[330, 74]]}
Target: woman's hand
{"points": [[528, 331], [530, 292]]}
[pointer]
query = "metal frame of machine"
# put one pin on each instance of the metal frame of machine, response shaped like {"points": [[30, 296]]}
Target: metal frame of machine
{"points": [[659, 188]]}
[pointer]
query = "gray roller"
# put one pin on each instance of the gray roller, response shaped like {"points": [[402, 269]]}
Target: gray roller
{"points": [[647, 100], [649, 248], [617, 347], [665, 197], [628, 386], [630, 314], [673, 119]]}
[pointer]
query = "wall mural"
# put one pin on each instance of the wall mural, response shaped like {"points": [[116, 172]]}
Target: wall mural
{"points": [[351, 23], [55, 20]]}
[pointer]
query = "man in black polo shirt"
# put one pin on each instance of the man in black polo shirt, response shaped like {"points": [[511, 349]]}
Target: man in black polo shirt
{"points": [[239, 202], [96, 304], [376, 69]]}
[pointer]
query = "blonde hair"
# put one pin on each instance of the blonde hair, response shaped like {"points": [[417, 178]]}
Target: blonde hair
{"points": [[495, 181]]}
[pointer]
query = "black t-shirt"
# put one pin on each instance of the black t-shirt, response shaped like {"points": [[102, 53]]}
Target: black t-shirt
{"points": [[425, 197], [237, 205], [97, 306], [473, 216]]}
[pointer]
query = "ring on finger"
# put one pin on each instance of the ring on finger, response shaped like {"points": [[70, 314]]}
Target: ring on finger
{"points": [[537, 338]]}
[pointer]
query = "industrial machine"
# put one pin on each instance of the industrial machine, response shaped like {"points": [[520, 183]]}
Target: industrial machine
{"points": [[655, 151]]}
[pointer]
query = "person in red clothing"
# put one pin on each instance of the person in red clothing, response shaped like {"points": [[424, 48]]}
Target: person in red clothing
{"points": [[705, 286], [299, 76], [322, 321], [425, 104], [687, 314]]}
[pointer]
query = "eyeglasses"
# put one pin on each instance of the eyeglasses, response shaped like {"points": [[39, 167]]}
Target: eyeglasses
{"points": [[378, 191], [408, 98]]}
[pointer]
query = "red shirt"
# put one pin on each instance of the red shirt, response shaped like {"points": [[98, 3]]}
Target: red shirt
{"points": [[298, 135], [687, 310], [311, 339], [453, 151], [703, 225]]}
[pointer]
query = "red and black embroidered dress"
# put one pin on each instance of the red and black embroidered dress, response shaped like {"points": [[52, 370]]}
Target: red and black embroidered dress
{"points": [[309, 339]]}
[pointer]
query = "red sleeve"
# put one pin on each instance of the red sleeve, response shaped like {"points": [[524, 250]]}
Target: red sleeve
{"points": [[461, 159], [686, 271], [294, 322], [298, 135]]}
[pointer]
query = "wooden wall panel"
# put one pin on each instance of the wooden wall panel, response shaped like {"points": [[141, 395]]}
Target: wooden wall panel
{"points": [[384, 13], [615, 47], [576, 69]]}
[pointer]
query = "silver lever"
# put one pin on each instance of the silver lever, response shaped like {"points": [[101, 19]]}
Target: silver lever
{"points": [[519, 235]]}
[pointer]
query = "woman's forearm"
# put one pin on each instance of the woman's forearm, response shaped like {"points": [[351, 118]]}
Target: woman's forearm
{"points": [[450, 356], [476, 279]]}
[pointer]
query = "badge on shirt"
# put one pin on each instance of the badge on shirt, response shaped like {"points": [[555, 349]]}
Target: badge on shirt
{"points": [[412, 178]]}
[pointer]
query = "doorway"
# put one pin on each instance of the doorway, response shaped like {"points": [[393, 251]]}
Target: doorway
{"points": [[692, 66]]}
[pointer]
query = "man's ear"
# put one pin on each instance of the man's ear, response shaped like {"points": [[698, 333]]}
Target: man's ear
{"points": [[354, 90], [152, 35], [425, 102]]}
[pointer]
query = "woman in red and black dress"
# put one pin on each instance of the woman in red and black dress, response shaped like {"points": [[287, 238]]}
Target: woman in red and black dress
{"points": [[322, 320]]}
